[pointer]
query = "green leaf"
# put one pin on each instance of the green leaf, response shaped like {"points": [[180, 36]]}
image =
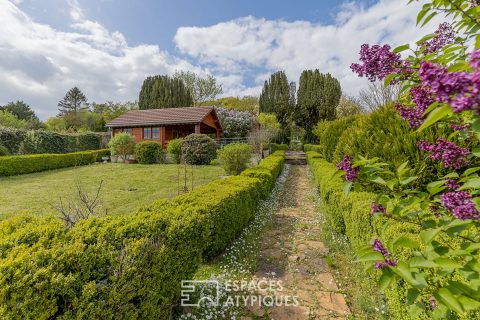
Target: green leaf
{"points": [[450, 300], [421, 262], [388, 79], [471, 184], [435, 116], [435, 187], [407, 180], [448, 264], [401, 48], [428, 235], [404, 272], [385, 280], [405, 242], [371, 256], [426, 38], [469, 171], [430, 16], [347, 186], [476, 151], [422, 14]]}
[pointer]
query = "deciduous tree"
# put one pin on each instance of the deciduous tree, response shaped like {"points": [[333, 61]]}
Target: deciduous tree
{"points": [[201, 88]]}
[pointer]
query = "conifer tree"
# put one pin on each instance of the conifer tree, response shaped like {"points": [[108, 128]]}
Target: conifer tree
{"points": [[275, 98], [317, 97], [73, 102], [164, 92]]}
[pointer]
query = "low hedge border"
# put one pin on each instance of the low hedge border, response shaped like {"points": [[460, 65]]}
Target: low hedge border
{"points": [[351, 216], [15, 165], [122, 267]]}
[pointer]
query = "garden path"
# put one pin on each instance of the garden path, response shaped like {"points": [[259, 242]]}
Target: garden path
{"points": [[291, 251]]}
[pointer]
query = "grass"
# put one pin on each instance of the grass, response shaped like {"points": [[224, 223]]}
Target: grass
{"points": [[125, 187]]}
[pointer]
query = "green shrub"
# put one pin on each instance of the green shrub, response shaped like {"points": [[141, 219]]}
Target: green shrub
{"points": [[275, 147], [14, 165], [235, 157], [312, 147], [122, 144], [40, 142], [149, 152], [199, 149], [121, 267], [88, 141], [329, 133], [12, 139], [4, 151], [174, 148]]}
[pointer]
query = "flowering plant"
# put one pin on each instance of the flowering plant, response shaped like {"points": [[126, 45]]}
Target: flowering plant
{"points": [[440, 81]]}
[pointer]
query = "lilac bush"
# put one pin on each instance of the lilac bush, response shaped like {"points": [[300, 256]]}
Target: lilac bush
{"points": [[235, 124], [440, 81]]}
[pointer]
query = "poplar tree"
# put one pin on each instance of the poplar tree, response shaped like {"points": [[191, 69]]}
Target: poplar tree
{"points": [[275, 98], [317, 98], [160, 92]]}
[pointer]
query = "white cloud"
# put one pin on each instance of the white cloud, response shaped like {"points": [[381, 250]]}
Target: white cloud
{"points": [[250, 42], [39, 64]]}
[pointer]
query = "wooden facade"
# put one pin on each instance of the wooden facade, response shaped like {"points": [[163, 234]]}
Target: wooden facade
{"points": [[163, 125]]}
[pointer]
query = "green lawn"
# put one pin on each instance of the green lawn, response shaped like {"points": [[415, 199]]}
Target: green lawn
{"points": [[125, 187]]}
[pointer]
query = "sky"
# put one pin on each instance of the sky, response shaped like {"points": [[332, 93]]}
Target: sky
{"points": [[108, 47]]}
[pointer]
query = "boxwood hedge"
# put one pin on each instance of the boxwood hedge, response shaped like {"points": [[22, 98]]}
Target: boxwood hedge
{"points": [[121, 267], [15, 165]]}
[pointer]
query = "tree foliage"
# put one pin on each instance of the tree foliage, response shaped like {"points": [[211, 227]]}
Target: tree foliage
{"points": [[201, 89], [73, 102], [9, 120], [21, 110], [247, 103], [276, 98], [348, 106], [160, 92], [317, 97]]}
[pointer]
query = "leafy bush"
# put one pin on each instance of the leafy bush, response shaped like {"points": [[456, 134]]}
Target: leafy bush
{"points": [[14, 165], [174, 148], [126, 267], [275, 147], [4, 151], [235, 124], [199, 149], [122, 144], [312, 147], [149, 152], [12, 139], [45, 142], [235, 157], [329, 132]]}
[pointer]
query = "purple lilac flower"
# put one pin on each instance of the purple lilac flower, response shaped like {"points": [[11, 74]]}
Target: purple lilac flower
{"points": [[377, 208], [377, 62], [451, 155], [445, 34], [346, 165], [422, 98], [452, 184], [459, 89], [458, 126], [475, 59], [378, 246], [386, 263], [433, 303], [434, 209], [460, 204]]}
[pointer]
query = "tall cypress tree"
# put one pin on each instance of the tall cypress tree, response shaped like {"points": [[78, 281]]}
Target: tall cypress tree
{"points": [[317, 97], [275, 98], [164, 92]]}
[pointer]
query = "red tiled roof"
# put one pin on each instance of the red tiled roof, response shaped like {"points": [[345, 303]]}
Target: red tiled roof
{"points": [[161, 116]]}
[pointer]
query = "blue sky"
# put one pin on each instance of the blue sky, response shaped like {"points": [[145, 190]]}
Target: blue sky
{"points": [[107, 47]]}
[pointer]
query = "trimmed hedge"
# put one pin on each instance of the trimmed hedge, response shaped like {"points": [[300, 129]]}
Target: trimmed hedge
{"points": [[39, 141], [121, 267], [278, 147], [14, 165], [312, 147], [351, 216], [267, 171]]}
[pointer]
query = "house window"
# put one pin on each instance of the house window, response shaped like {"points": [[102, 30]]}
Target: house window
{"points": [[147, 133], [155, 133], [128, 130]]}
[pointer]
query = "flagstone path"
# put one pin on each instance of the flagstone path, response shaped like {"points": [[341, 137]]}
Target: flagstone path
{"points": [[292, 252]]}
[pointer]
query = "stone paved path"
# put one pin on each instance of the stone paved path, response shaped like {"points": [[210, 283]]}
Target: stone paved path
{"points": [[293, 253]]}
